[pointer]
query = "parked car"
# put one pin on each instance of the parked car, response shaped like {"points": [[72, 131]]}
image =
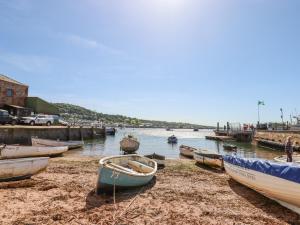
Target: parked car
{"points": [[6, 118], [63, 123], [38, 120]]}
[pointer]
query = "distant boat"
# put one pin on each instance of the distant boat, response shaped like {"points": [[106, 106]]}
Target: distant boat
{"points": [[277, 181], [187, 151], [122, 172], [169, 129], [21, 151], [196, 129], [209, 158], [230, 147], [283, 158], [18, 169], [110, 130], [172, 140], [159, 159], [129, 144], [48, 142]]}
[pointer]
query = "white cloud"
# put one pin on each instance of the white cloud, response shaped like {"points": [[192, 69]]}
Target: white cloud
{"points": [[90, 43], [28, 63]]}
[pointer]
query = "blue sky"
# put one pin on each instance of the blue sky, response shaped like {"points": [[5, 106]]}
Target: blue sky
{"points": [[198, 61]]}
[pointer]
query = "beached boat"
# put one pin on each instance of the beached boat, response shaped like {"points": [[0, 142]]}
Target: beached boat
{"points": [[129, 144], [209, 158], [230, 147], [283, 158], [159, 159], [57, 143], [20, 151], [172, 139], [17, 169], [110, 131], [278, 181], [187, 151], [122, 172]]}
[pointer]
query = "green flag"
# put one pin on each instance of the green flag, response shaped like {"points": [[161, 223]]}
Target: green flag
{"points": [[261, 103]]}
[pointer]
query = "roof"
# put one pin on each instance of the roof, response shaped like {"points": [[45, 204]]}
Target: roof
{"points": [[16, 106], [8, 79]]}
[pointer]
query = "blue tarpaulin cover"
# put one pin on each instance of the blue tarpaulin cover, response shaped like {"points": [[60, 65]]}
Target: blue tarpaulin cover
{"points": [[287, 171]]}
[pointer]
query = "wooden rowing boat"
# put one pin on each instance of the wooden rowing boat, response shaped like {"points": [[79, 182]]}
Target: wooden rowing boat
{"points": [[283, 158], [277, 181], [159, 159], [187, 151], [126, 171], [20, 151], [209, 158], [17, 169], [57, 143], [129, 144]]}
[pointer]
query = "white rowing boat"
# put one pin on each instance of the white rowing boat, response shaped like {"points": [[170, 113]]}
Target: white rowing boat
{"points": [[17, 169], [187, 151], [277, 181], [20, 151], [209, 158], [57, 143], [121, 172]]}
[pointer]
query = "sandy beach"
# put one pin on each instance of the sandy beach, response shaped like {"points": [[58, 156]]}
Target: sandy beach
{"points": [[182, 193]]}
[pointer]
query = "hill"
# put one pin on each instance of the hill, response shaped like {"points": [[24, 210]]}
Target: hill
{"points": [[78, 114]]}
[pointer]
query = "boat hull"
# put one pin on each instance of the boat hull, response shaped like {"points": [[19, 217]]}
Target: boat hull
{"points": [[112, 178], [129, 145], [47, 142], [187, 151], [18, 169], [212, 160], [16, 151], [285, 192]]}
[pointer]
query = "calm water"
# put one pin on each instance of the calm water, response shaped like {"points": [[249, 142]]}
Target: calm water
{"points": [[155, 140]]}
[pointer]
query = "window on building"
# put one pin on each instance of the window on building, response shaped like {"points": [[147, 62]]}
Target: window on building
{"points": [[9, 92]]}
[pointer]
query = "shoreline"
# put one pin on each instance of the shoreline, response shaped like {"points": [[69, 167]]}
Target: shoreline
{"points": [[182, 193]]}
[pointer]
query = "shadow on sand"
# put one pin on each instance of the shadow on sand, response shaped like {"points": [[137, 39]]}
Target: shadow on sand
{"points": [[267, 205], [95, 201]]}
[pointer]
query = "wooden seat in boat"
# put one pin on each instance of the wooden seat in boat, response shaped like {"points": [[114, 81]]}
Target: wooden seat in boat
{"points": [[139, 167]]}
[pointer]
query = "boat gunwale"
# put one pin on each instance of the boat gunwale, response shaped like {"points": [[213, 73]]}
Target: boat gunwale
{"points": [[103, 162], [8, 161]]}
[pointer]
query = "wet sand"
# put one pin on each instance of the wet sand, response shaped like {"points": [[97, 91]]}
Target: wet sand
{"points": [[182, 193]]}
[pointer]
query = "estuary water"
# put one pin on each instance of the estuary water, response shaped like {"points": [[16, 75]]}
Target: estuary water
{"points": [[155, 140]]}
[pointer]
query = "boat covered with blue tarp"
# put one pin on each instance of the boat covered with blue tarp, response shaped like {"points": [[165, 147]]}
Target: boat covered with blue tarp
{"points": [[278, 181]]}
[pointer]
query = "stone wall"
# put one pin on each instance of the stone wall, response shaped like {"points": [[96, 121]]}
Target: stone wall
{"points": [[19, 94], [278, 136], [22, 135]]}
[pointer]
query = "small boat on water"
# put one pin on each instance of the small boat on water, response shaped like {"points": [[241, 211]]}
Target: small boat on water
{"points": [[277, 181], [209, 158], [172, 139], [187, 151], [169, 129], [110, 130], [129, 144], [57, 143], [230, 147], [18, 169], [21, 151], [283, 158], [126, 171], [159, 159], [196, 129]]}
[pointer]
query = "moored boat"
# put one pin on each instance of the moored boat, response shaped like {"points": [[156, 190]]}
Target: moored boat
{"points": [[209, 158], [24, 168], [57, 143], [122, 172], [159, 159], [277, 181], [187, 151], [110, 130], [172, 139], [20, 151], [129, 144], [283, 158], [230, 147], [196, 129]]}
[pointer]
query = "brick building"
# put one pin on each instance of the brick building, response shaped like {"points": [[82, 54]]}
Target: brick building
{"points": [[12, 92]]}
